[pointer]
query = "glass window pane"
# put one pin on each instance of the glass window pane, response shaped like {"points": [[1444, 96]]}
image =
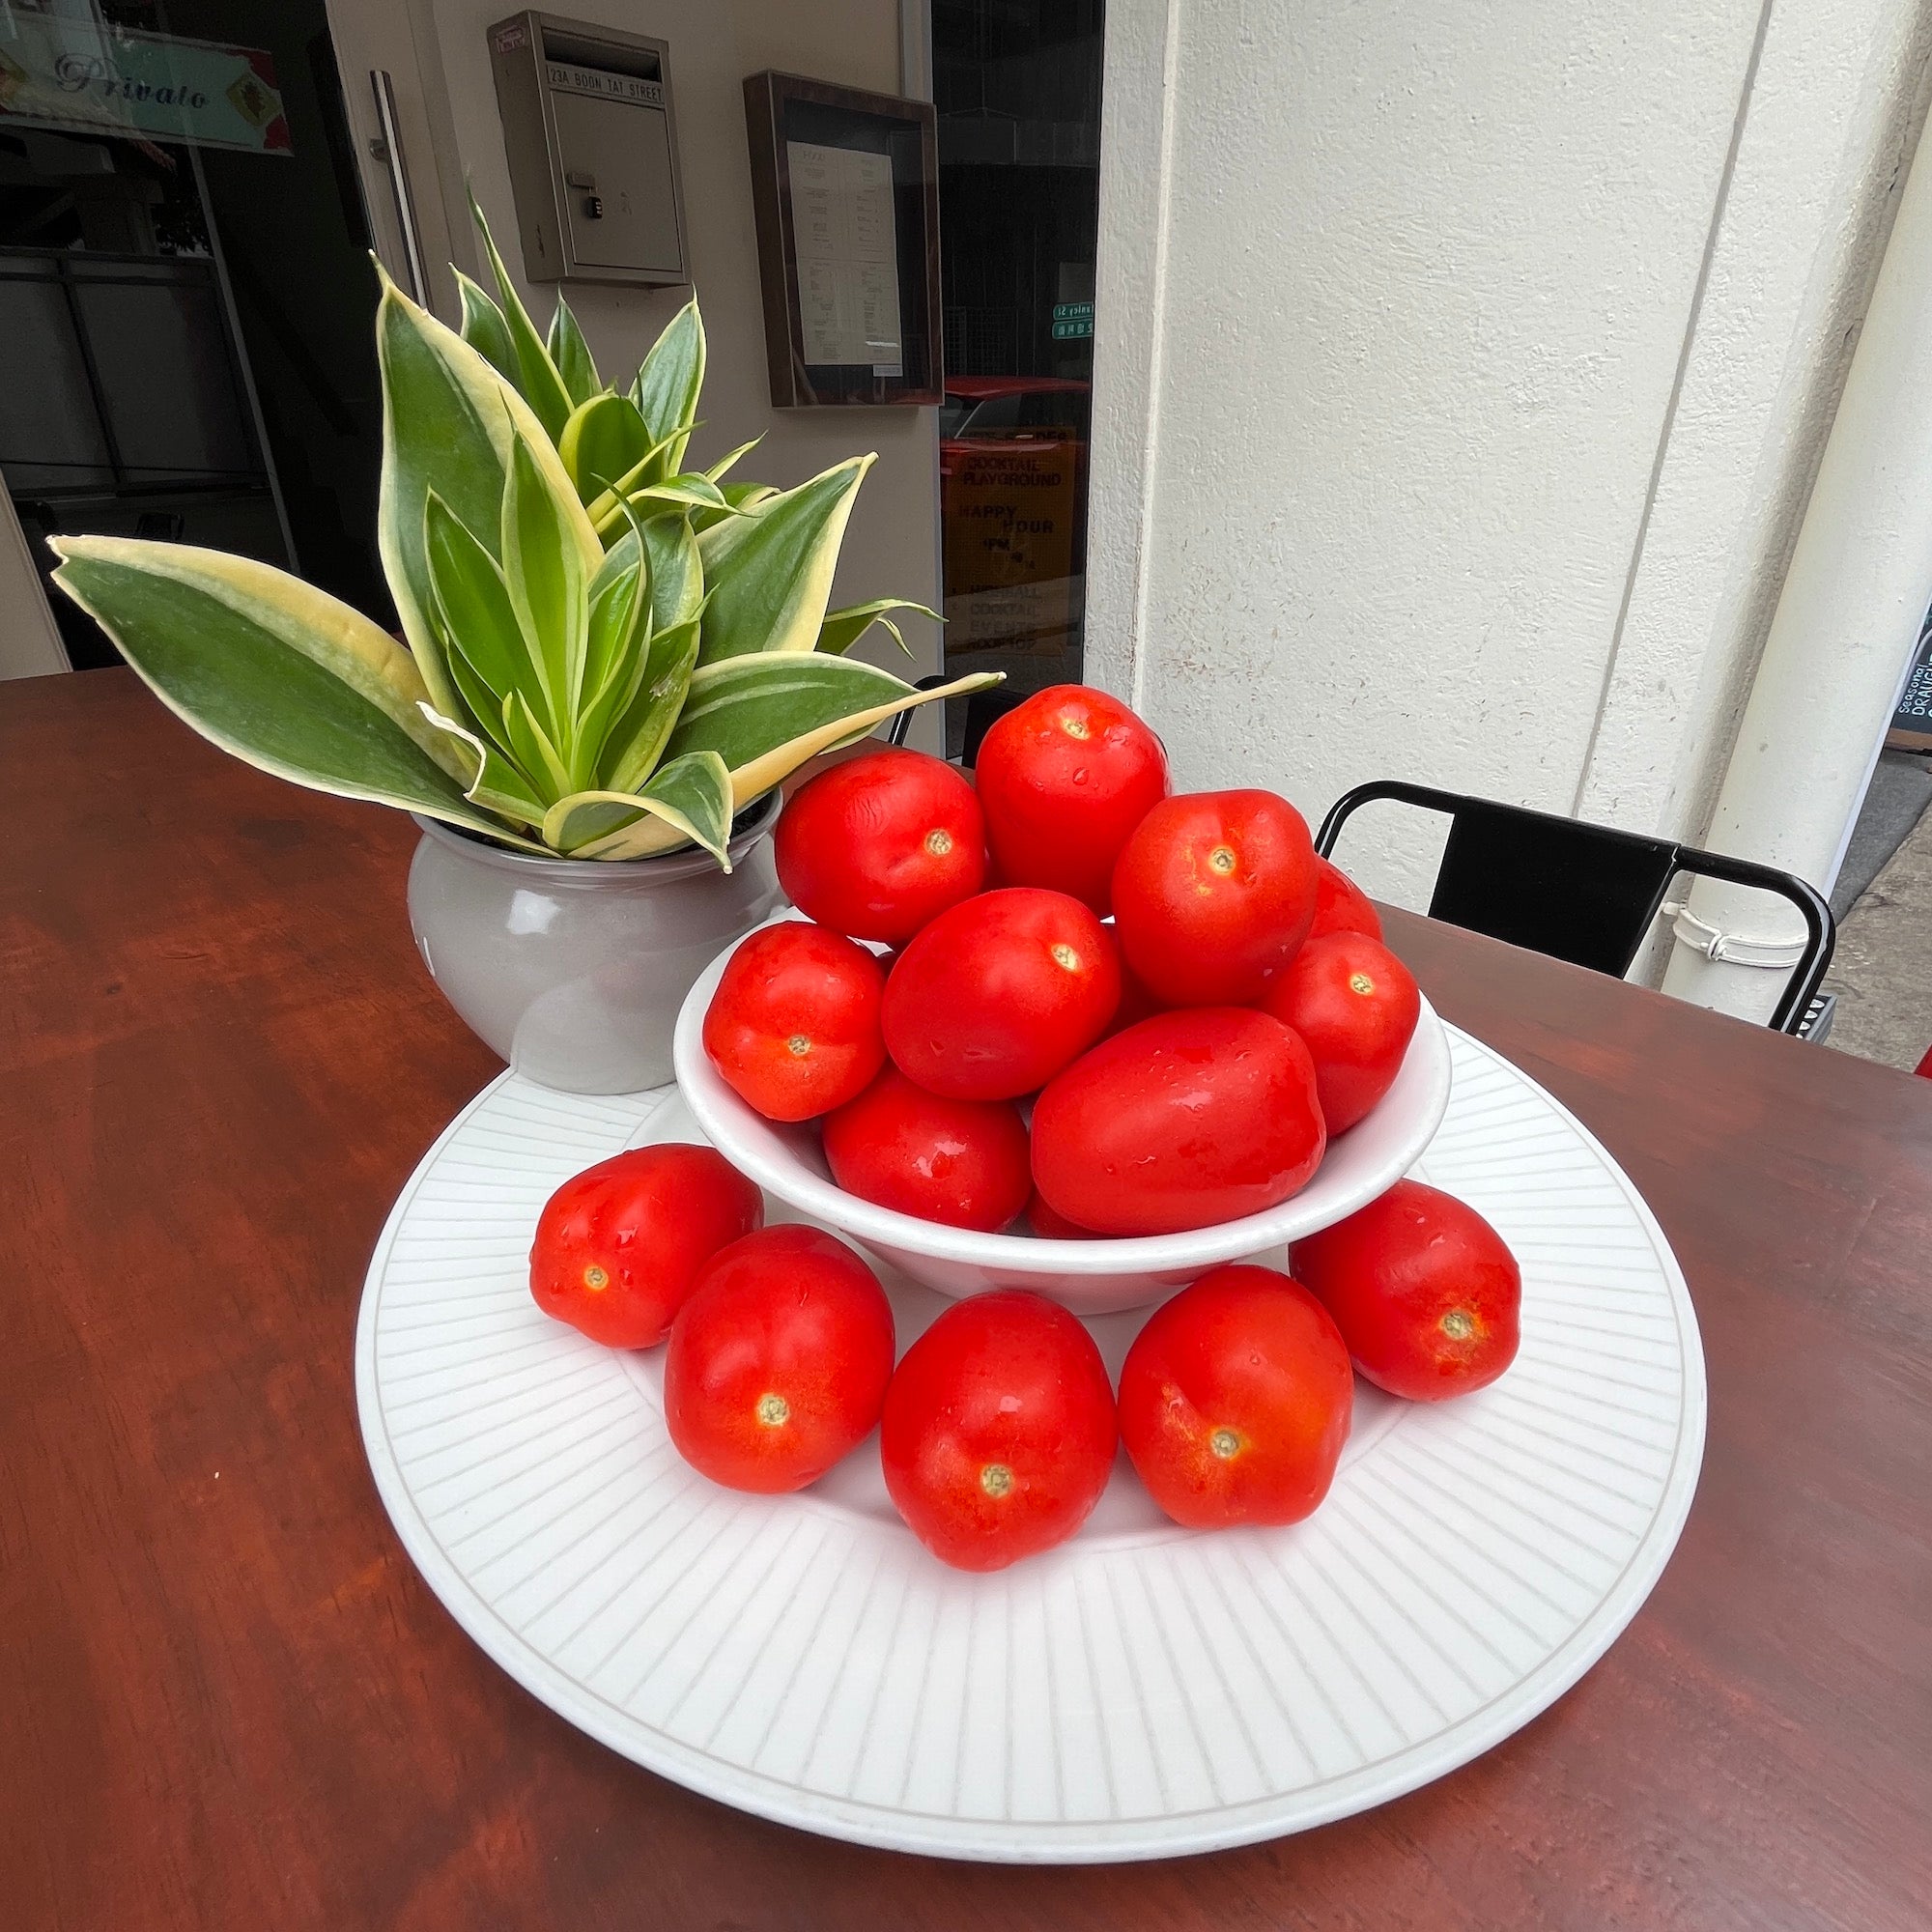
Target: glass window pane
{"points": [[49, 435]]}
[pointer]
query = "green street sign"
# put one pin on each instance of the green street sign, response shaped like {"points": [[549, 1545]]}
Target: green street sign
{"points": [[1072, 322]]}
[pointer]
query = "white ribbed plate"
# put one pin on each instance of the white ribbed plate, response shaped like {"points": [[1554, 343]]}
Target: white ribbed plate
{"points": [[1139, 1693]]}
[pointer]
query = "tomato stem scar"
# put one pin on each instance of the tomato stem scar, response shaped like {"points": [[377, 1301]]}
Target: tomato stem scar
{"points": [[1458, 1326], [939, 841], [1360, 983], [798, 1044], [1224, 1443], [1221, 860], [594, 1277], [1064, 956], [996, 1479], [773, 1411]]}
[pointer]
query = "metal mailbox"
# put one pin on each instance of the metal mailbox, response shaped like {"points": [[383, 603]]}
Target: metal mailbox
{"points": [[592, 147]]}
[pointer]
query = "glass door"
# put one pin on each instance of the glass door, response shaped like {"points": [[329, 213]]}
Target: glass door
{"points": [[187, 208], [1017, 86]]}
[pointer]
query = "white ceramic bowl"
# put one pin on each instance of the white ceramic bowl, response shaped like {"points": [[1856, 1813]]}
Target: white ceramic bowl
{"points": [[1090, 1277]]}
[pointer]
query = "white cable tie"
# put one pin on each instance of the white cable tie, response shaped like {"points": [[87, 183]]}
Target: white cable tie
{"points": [[1732, 949]]}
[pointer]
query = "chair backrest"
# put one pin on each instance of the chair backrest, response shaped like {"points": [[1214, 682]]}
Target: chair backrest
{"points": [[983, 710], [1588, 893]]}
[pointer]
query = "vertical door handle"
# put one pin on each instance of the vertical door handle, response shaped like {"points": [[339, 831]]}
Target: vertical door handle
{"points": [[389, 152]]}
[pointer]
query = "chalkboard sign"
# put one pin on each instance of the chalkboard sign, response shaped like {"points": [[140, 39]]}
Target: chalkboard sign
{"points": [[1912, 722]]}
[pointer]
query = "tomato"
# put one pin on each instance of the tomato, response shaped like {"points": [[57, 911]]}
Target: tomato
{"points": [[1424, 1291], [778, 1363], [1187, 1119], [878, 845], [1213, 894], [1236, 1399], [1355, 1008], [618, 1246], [1137, 1003], [963, 1162], [999, 1432], [1064, 779], [994, 997], [1049, 1225], [794, 1025], [1341, 905]]}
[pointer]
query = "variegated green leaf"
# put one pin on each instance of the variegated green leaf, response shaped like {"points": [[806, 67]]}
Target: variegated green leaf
{"points": [[749, 710], [686, 801], [769, 574], [536, 753], [752, 780], [545, 576], [537, 376], [668, 383], [478, 618], [485, 329], [605, 509], [570, 355], [604, 441], [738, 496], [676, 571], [717, 471], [619, 611], [499, 785], [278, 674], [686, 491], [636, 740], [842, 629], [449, 421]]}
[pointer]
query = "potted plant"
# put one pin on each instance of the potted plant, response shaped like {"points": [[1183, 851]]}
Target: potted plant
{"points": [[611, 661]]}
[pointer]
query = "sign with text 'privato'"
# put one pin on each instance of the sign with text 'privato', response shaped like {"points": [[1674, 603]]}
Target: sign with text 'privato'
{"points": [[74, 77]]}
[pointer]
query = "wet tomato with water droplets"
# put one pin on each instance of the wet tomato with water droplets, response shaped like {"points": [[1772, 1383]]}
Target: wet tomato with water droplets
{"points": [[618, 1246], [779, 1362], [999, 1433], [1425, 1291], [793, 1027], [1064, 777], [1236, 1399], [1190, 1119]]}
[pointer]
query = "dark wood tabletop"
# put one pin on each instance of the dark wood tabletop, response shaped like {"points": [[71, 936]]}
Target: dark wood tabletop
{"points": [[227, 1700]]}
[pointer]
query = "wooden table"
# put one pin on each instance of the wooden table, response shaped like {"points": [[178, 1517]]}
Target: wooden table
{"points": [[226, 1700]]}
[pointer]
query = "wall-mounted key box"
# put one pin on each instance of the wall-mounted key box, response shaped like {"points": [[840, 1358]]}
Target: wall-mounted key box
{"points": [[592, 146]]}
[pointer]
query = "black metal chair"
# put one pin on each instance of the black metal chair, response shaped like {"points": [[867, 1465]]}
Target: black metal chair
{"points": [[983, 710], [1580, 892]]}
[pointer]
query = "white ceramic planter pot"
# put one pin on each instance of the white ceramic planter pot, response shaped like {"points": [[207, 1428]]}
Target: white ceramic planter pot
{"points": [[574, 970]]}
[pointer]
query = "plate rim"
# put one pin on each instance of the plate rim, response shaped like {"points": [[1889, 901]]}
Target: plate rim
{"points": [[1037, 1842]]}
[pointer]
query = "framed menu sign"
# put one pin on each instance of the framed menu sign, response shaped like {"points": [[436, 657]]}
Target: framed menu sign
{"points": [[845, 188]]}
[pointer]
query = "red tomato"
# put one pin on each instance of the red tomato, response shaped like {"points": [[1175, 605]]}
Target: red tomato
{"points": [[1424, 1291], [618, 1246], [1213, 894], [999, 1432], [1049, 1225], [963, 1162], [878, 845], [1064, 779], [777, 1364], [993, 997], [1187, 1119], [794, 1024], [1236, 1399], [1341, 905], [1355, 1008], [1137, 1003]]}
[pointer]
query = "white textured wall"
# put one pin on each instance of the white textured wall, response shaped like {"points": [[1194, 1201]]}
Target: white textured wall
{"points": [[1460, 374], [892, 546]]}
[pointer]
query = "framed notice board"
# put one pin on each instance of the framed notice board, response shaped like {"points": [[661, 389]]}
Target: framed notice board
{"points": [[845, 188]]}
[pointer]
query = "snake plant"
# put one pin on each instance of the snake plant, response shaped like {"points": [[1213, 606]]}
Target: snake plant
{"points": [[608, 655]]}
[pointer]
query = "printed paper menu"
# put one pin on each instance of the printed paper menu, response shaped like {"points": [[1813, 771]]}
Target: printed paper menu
{"points": [[847, 254]]}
